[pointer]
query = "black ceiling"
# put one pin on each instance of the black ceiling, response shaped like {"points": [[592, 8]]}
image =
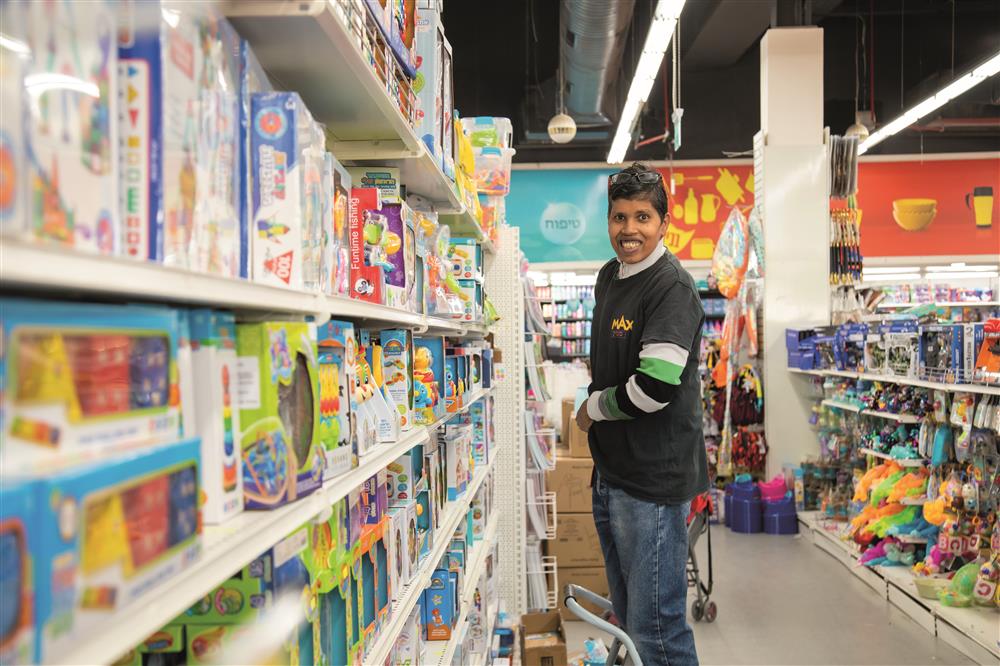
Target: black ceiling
{"points": [[506, 59]]}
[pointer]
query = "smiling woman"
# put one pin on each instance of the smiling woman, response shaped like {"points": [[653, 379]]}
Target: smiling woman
{"points": [[637, 212]]}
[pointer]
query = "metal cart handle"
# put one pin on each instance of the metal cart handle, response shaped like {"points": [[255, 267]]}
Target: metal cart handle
{"points": [[621, 638]]}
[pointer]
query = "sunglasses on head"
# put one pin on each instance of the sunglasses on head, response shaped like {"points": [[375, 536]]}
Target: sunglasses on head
{"points": [[643, 177]]}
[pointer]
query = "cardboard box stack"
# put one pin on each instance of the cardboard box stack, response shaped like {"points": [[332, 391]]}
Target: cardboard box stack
{"points": [[576, 546]]}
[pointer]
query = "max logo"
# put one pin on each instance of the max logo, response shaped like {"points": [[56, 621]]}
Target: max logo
{"points": [[620, 326]]}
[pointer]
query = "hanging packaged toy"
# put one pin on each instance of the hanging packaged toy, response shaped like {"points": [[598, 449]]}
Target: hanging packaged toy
{"points": [[987, 368], [729, 263], [368, 241], [336, 371], [338, 261]]}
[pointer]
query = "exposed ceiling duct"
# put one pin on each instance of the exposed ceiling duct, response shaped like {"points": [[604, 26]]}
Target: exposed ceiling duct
{"points": [[593, 36]]}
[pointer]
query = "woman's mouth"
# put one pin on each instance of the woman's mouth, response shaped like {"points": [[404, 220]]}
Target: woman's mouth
{"points": [[630, 245]]}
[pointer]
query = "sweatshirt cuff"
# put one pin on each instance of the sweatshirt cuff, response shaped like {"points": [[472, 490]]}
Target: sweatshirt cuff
{"points": [[594, 407]]}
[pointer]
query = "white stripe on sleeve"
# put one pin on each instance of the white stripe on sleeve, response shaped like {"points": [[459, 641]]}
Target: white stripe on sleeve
{"points": [[640, 399]]}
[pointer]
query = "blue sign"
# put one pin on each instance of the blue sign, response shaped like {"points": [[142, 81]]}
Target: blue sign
{"points": [[562, 214]]}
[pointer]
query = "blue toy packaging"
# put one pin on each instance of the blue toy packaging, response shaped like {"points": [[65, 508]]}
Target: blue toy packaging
{"points": [[480, 419], [452, 396], [397, 370], [439, 606], [941, 352], [900, 342], [180, 89], [253, 79], [374, 501], [213, 338], [428, 379], [70, 135], [19, 533], [277, 385], [82, 379], [336, 369], [283, 136], [466, 255], [849, 347], [430, 113], [109, 533]]}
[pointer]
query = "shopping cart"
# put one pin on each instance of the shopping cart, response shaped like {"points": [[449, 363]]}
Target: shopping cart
{"points": [[703, 607]]}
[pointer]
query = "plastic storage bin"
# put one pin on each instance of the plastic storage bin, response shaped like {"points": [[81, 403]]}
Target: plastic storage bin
{"points": [[493, 170], [746, 508], [487, 131], [780, 517], [727, 506]]}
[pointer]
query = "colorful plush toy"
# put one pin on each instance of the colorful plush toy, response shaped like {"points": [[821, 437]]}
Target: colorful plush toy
{"points": [[880, 527], [959, 591], [911, 485], [871, 477], [918, 527]]}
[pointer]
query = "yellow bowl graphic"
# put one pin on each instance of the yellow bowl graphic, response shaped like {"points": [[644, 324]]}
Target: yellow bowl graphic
{"points": [[914, 205], [914, 220]]}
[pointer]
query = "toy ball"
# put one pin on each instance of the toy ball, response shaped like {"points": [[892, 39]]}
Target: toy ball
{"points": [[392, 242]]}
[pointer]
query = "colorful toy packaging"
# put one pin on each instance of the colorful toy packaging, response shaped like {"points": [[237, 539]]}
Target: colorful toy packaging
{"points": [[399, 249], [213, 336], [849, 347], [429, 84], [19, 533], [109, 532], [472, 300], [336, 368], [439, 606], [81, 379], [409, 646], [371, 389], [385, 179], [405, 477], [338, 260], [480, 416], [68, 136], [253, 79], [428, 379], [279, 413], [240, 600], [397, 368], [987, 368], [374, 501], [941, 349], [367, 246], [282, 142], [396, 23], [179, 136], [457, 440], [466, 256]]}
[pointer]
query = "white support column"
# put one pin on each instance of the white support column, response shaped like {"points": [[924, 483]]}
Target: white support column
{"points": [[503, 285], [795, 198]]}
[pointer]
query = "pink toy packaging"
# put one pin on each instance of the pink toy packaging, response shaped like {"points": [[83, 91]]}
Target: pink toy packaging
{"points": [[179, 133], [367, 248], [70, 139]]}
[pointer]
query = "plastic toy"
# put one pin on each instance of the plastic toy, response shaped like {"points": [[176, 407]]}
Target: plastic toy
{"points": [[213, 336], [959, 592], [901, 343], [397, 368], [85, 379], [406, 476], [336, 371], [283, 146], [367, 264], [108, 533], [428, 373], [279, 412], [19, 532]]}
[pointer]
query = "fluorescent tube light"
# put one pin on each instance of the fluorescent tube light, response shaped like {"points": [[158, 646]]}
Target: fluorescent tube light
{"points": [[876, 270], [952, 275], [962, 268], [891, 277], [655, 47], [936, 101]]}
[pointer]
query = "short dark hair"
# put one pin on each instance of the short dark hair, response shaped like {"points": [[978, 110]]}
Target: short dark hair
{"points": [[632, 188]]}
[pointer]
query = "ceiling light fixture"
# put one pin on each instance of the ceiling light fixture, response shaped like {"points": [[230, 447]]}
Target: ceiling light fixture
{"points": [[876, 270], [962, 268], [954, 275], [933, 103], [661, 30]]}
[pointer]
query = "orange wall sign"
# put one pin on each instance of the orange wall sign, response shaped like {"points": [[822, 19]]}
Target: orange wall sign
{"points": [[958, 215]]}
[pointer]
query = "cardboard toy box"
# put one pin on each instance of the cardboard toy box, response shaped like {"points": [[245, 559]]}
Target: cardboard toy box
{"points": [[397, 368], [570, 481], [367, 254], [279, 411], [594, 579], [543, 639], [576, 543], [574, 441], [19, 533], [336, 368]]}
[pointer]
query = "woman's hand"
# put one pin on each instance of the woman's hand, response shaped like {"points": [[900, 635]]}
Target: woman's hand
{"points": [[583, 419]]}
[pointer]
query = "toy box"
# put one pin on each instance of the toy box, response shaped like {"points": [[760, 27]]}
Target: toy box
{"points": [[371, 384], [83, 379], [405, 477], [279, 413], [374, 502], [428, 378], [408, 649], [109, 533], [941, 348], [448, 141], [374, 601], [367, 246], [466, 255], [315, 212], [397, 368], [385, 179], [972, 338], [429, 84], [283, 138], [398, 243], [338, 246], [185, 375], [296, 561], [480, 417], [69, 139], [900, 340], [439, 607], [396, 23], [239, 600], [19, 533], [204, 644], [457, 440], [253, 79], [213, 337], [401, 528], [479, 516], [987, 369], [168, 640], [180, 136], [849, 347], [471, 293], [336, 371], [452, 396]]}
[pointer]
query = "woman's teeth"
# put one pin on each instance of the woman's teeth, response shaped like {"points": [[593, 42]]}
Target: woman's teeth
{"points": [[630, 244]]}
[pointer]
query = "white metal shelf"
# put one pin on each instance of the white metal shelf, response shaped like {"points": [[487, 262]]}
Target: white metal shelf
{"points": [[942, 304], [908, 381], [453, 515], [902, 462], [842, 405], [477, 560], [64, 272], [229, 547]]}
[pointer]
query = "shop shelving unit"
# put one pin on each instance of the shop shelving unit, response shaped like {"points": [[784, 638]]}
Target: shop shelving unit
{"points": [[908, 381]]}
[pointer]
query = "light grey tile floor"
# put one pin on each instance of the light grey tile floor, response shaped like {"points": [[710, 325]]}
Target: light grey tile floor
{"points": [[781, 600]]}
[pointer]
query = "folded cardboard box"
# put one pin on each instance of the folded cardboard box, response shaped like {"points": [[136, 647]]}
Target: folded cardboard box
{"points": [[543, 640], [570, 481], [576, 543], [573, 441]]}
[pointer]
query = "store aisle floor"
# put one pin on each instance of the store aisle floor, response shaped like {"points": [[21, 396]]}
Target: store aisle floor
{"points": [[783, 601]]}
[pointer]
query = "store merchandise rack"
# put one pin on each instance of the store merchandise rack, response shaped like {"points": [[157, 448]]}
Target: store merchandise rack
{"points": [[908, 381], [972, 631]]}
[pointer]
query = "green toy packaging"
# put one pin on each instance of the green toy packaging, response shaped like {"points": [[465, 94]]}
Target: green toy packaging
{"points": [[279, 412]]}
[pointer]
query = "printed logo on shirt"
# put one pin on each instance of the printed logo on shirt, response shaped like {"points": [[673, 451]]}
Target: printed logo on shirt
{"points": [[621, 326]]}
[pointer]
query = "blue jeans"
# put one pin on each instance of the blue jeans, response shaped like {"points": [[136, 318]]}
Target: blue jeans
{"points": [[645, 553]]}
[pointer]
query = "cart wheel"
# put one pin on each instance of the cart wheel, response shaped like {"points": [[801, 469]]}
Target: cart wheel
{"points": [[711, 612], [697, 611]]}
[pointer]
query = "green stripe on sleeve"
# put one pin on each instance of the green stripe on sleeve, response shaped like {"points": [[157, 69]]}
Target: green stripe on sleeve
{"points": [[664, 371], [611, 404]]}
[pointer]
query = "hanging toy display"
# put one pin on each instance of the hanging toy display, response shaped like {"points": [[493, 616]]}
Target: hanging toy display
{"points": [[845, 245], [729, 263]]}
